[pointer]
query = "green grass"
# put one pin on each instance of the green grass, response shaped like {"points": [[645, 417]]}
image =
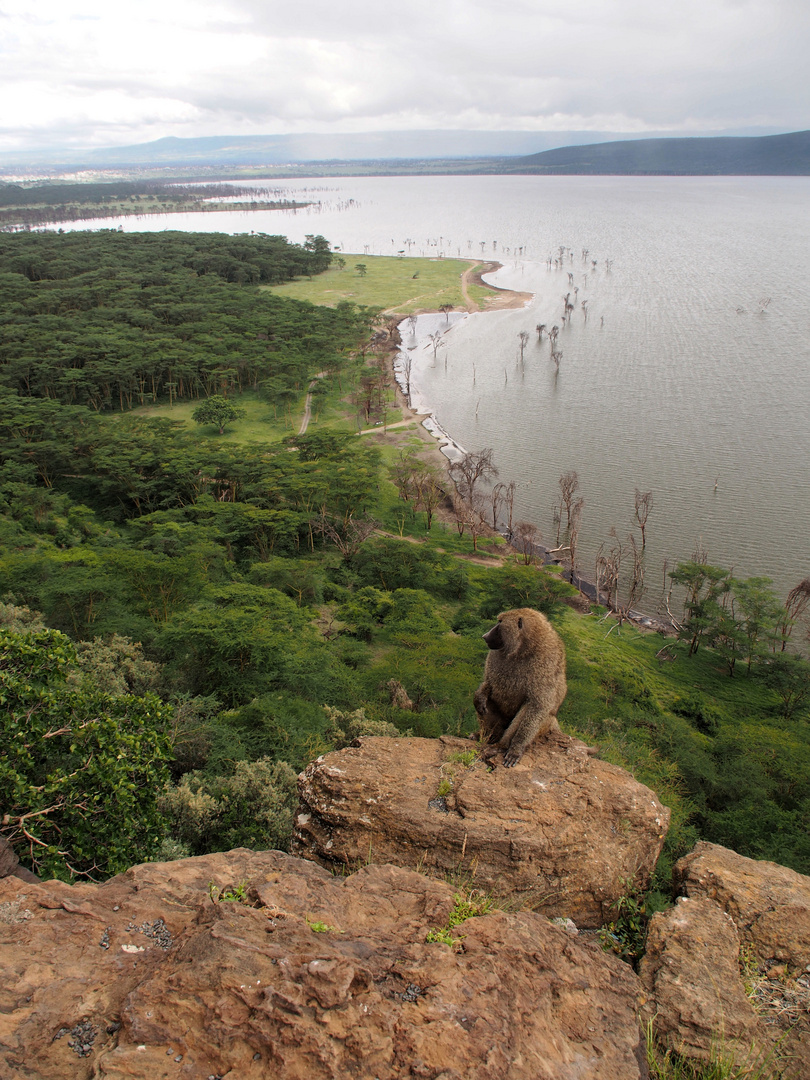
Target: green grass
{"points": [[665, 1064], [401, 285], [261, 424]]}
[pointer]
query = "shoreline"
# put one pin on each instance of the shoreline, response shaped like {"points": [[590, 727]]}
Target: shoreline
{"points": [[437, 439]]}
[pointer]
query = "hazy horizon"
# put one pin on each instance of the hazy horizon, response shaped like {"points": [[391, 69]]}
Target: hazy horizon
{"points": [[80, 75]]}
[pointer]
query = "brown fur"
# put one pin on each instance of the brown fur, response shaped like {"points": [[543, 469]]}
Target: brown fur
{"points": [[524, 683]]}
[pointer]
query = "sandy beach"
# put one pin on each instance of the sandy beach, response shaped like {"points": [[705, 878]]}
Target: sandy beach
{"points": [[500, 298]]}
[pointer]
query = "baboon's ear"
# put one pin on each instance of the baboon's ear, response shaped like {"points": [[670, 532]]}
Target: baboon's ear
{"points": [[520, 623]]}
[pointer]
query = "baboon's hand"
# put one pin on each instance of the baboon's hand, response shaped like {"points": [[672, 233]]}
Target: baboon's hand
{"points": [[481, 700], [512, 757]]}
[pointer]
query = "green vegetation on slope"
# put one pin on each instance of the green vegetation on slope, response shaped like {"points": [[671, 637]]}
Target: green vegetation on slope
{"points": [[212, 594]]}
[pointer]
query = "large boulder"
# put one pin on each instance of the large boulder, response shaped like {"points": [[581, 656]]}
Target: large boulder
{"points": [[256, 964], [769, 903], [691, 971], [713, 965], [562, 831]]}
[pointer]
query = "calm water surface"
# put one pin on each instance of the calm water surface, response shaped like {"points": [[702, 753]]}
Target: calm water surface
{"points": [[690, 376]]}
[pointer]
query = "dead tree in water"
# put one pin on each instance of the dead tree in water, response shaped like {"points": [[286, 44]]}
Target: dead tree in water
{"points": [[437, 342], [523, 341], [608, 568], [569, 484], [496, 497], [644, 504], [574, 522], [635, 589]]}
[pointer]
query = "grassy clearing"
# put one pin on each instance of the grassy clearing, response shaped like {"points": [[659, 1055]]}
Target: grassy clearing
{"points": [[262, 423], [400, 285], [259, 425]]}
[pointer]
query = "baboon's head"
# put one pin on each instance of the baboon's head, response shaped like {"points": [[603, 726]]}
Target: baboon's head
{"points": [[506, 632]]}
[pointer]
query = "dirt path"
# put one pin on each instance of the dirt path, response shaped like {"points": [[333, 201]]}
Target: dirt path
{"points": [[305, 419]]}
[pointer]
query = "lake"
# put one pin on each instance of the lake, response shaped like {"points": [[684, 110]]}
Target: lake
{"points": [[690, 376]]}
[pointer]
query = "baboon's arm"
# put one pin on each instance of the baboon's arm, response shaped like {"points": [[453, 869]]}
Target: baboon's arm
{"points": [[481, 699], [529, 722]]}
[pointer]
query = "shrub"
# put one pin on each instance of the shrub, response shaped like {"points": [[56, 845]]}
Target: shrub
{"points": [[253, 808], [68, 755]]}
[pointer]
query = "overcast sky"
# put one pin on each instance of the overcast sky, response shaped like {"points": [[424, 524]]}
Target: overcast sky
{"points": [[91, 73]]}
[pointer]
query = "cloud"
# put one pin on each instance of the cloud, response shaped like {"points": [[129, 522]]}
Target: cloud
{"points": [[84, 72]]}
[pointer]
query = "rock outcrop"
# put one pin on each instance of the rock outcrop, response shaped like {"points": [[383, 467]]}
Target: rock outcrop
{"points": [[770, 904], [693, 965], [691, 970], [10, 864], [563, 831], [248, 965]]}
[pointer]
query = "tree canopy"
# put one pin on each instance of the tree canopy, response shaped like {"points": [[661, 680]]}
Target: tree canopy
{"points": [[217, 411]]}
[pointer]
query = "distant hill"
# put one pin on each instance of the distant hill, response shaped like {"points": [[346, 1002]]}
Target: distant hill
{"points": [[387, 153], [404, 152], [765, 155]]}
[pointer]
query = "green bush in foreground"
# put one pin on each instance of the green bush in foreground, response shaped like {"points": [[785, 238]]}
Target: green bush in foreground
{"points": [[253, 808], [79, 770]]}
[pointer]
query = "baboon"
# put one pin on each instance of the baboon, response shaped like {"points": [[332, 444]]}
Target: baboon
{"points": [[524, 683]]}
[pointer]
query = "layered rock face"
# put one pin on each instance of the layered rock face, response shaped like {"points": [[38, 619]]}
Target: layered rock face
{"points": [[692, 971], [563, 832], [769, 903], [299, 976]]}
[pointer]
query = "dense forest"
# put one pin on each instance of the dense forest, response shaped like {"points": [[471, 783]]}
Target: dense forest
{"points": [[188, 619]]}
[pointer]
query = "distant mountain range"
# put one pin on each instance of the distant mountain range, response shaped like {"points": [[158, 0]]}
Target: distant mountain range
{"points": [[766, 155], [451, 152]]}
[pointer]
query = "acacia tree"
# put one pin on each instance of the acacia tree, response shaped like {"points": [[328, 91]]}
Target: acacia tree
{"points": [[470, 469], [795, 606], [429, 490], [706, 586], [524, 539], [217, 410], [760, 615], [348, 534]]}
